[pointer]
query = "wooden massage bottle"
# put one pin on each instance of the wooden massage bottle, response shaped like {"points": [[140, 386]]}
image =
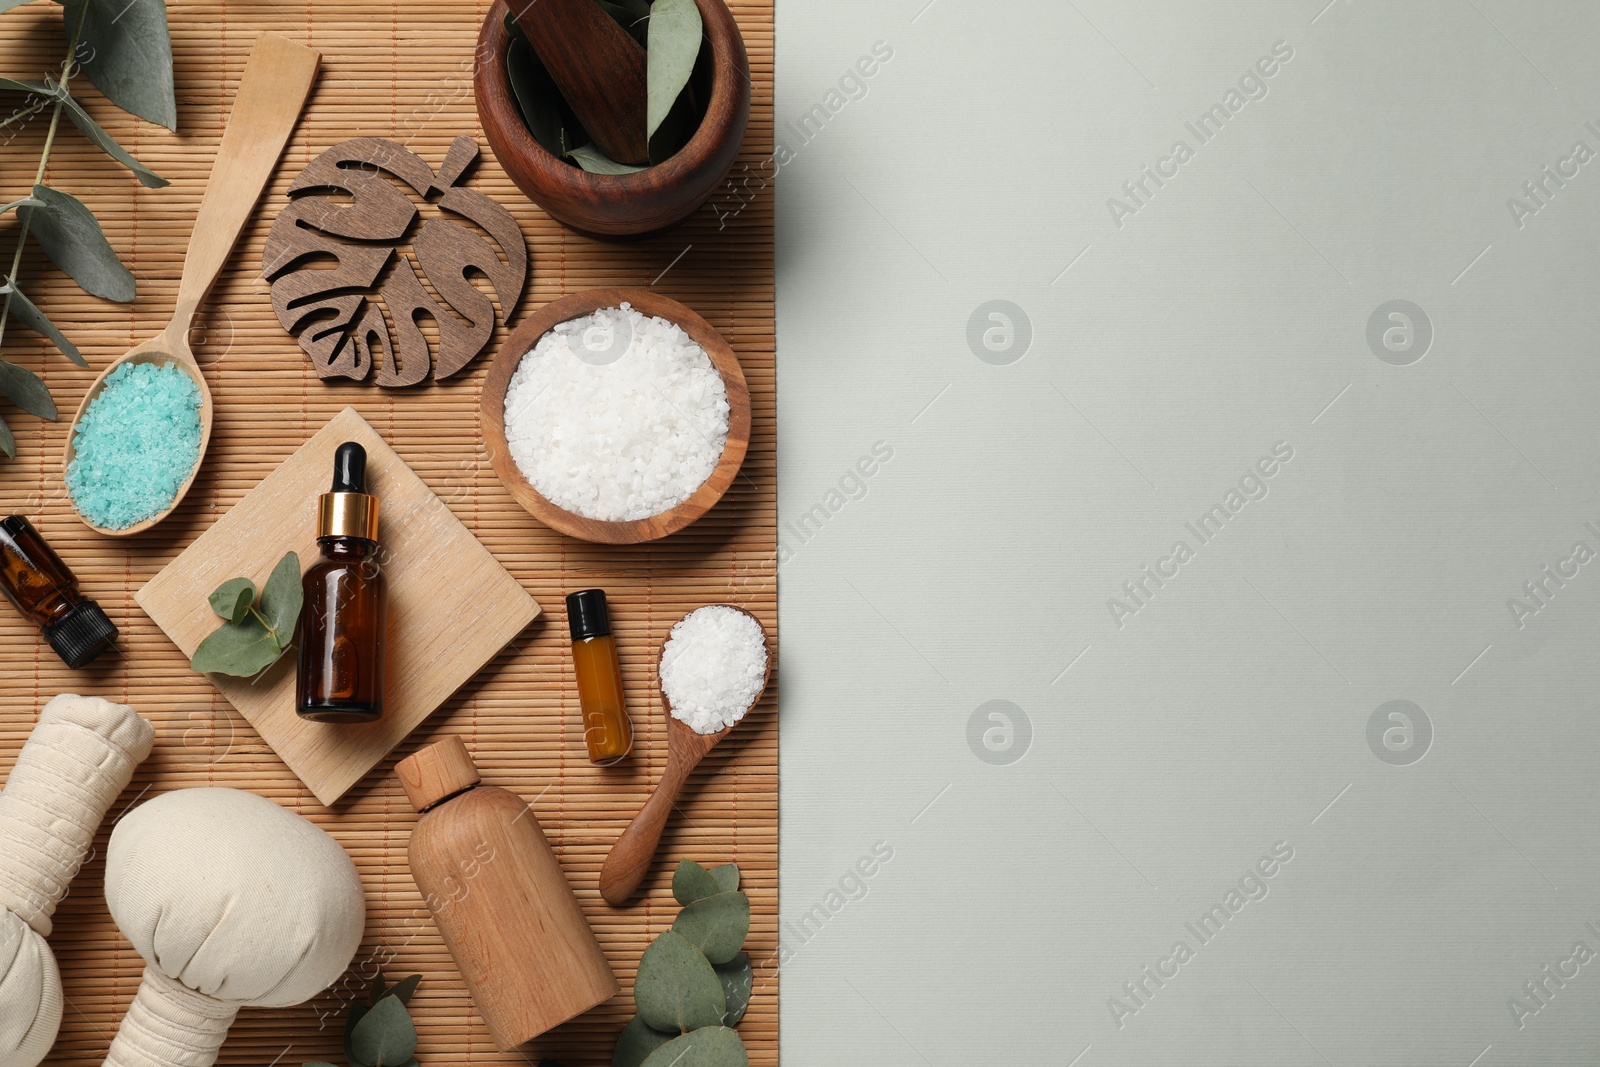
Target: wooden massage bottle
{"points": [[500, 898]]}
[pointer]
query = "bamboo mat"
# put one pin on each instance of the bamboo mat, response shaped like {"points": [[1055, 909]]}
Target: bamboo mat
{"points": [[400, 70]]}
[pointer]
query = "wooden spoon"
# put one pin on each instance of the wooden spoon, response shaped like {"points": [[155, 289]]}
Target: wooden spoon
{"points": [[277, 78], [599, 68], [630, 857]]}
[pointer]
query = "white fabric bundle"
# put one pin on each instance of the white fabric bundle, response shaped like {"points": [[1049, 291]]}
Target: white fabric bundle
{"points": [[30, 994], [233, 902], [79, 756]]}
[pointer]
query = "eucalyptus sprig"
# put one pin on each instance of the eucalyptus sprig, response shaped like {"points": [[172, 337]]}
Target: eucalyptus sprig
{"points": [[675, 51], [380, 1032], [125, 50], [252, 636], [693, 983]]}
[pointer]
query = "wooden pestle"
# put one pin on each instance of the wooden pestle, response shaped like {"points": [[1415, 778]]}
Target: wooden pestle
{"points": [[598, 67]]}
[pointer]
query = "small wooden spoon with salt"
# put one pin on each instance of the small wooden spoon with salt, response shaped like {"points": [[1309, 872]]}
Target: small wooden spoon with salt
{"points": [[629, 860], [277, 78]]}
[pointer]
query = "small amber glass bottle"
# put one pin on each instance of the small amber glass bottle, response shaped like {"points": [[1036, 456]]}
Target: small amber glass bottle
{"points": [[46, 591], [342, 630], [606, 728]]}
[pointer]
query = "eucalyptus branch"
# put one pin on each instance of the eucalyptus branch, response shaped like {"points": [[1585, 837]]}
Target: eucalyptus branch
{"points": [[129, 57], [67, 67], [253, 635], [24, 113]]}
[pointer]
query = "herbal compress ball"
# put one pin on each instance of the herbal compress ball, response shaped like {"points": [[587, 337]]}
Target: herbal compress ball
{"points": [[79, 756], [30, 994], [233, 902]]}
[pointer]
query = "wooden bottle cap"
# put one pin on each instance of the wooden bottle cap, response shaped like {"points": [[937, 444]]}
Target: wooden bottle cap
{"points": [[433, 773]]}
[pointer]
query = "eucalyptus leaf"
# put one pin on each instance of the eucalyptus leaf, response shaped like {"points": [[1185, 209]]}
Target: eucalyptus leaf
{"points": [[633, 9], [282, 600], [103, 140], [242, 651], [636, 1042], [27, 313], [675, 989], [67, 231], [357, 1012], [26, 201], [536, 93], [711, 1046], [631, 15], [675, 31], [8, 441], [704, 78], [687, 112], [727, 877], [233, 599], [595, 161], [23, 388], [675, 131], [36, 88], [738, 980], [319, 1063], [385, 1035], [130, 55], [691, 881], [403, 989], [717, 925]]}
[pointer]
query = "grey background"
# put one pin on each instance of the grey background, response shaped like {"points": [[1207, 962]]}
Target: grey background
{"points": [[1231, 713]]}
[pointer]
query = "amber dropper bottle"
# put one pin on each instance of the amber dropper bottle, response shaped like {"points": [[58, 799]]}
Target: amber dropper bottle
{"points": [[40, 585], [606, 727], [343, 623]]}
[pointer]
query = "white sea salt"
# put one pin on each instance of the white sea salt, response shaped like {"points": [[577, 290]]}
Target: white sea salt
{"points": [[713, 667], [617, 415]]}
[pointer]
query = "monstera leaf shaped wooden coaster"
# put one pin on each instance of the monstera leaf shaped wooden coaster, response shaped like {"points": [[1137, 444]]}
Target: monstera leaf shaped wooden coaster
{"points": [[351, 205]]}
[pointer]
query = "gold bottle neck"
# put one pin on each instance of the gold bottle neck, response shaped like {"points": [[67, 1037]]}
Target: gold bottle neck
{"points": [[347, 515]]}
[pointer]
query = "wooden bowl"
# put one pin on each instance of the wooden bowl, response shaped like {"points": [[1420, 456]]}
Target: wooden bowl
{"points": [[619, 205], [493, 416]]}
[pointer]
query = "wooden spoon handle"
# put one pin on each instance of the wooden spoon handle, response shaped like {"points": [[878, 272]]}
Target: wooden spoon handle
{"points": [[629, 860], [277, 79]]}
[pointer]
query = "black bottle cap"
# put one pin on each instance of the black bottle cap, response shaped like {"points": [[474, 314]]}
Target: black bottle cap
{"points": [[586, 614], [350, 469], [81, 635]]}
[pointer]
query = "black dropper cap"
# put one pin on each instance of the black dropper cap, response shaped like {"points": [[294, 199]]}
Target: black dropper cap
{"points": [[586, 614], [349, 469], [82, 634]]}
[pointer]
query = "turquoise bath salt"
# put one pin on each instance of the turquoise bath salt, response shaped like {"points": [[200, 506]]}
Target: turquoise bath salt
{"points": [[136, 445]]}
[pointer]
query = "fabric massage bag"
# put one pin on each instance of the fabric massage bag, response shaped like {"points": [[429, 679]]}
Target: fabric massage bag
{"points": [[233, 902], [80, 755]]}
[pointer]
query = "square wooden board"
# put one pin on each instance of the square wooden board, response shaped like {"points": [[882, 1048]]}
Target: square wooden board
{"points": [[452, 606]]}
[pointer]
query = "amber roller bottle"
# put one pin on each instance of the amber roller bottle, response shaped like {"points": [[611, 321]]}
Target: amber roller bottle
{"points": [[607, 730], [500, 898], [342, 630]]}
